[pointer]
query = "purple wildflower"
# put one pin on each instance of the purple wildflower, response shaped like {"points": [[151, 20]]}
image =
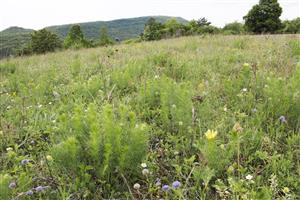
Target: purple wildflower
{"points": [[25, 162], [165, 188], [29, 193], [39, 189], [12, 185], [176, 184], [282, 119]]}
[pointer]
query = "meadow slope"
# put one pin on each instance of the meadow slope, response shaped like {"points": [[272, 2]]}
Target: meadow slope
{"points": [[206, 117]]}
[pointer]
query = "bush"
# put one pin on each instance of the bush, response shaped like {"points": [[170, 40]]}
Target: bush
{"points": [[292, 26], [234, 28], [43, 41]]}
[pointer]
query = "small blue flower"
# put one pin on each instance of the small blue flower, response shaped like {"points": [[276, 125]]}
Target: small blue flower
{"points": [[165, 188], [25, 162], [176, 184], [29, 193], [39, 189], [282, 119], [12, 185]]}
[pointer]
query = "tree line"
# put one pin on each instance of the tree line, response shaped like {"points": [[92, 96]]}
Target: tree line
{"points": [[263, 18], [43, 41]]}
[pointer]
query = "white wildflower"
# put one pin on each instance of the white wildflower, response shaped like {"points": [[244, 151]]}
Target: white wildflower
{"points": [[249, 177], [9, 149], [144, 165]]}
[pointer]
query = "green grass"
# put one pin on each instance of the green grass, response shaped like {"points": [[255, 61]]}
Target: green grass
{"points": [[80, 123]]}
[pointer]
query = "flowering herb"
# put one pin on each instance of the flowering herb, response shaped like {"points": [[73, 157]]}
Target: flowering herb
{"points": [[165, 188], [12, 185], [176, 184]]}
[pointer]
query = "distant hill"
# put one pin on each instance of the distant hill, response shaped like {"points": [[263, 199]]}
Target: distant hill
{"points": [[16, 30], [11, 38], [121, 28], [16, 37]]}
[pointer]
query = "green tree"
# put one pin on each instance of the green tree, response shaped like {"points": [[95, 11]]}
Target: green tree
{"points": [[200, 26], [203, 22], [105, 39], [173, 28], [291, 26], [43, 41], [75, 38], [153, 30], [264, 17], [192, 27], [234, 28]]}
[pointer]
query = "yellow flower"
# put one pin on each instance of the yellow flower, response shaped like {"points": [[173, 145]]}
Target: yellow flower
{"points": [[49, 158], [237, 128], [246, 65], [286, 190], [201, 86], [210, 134]]}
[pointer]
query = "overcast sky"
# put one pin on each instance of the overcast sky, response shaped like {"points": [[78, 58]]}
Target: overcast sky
{"points": [[37, 14]]}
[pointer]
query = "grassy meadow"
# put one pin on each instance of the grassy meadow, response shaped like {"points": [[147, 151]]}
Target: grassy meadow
{"points": [[204, 117]]}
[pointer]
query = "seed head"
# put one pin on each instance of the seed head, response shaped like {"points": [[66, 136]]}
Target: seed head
{"points": [[237, 128], [137, 186], [145, 172]]}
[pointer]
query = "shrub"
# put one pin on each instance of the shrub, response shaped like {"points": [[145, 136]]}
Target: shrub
{"points": [[43, 41], [234, 28], [291, 26]]}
